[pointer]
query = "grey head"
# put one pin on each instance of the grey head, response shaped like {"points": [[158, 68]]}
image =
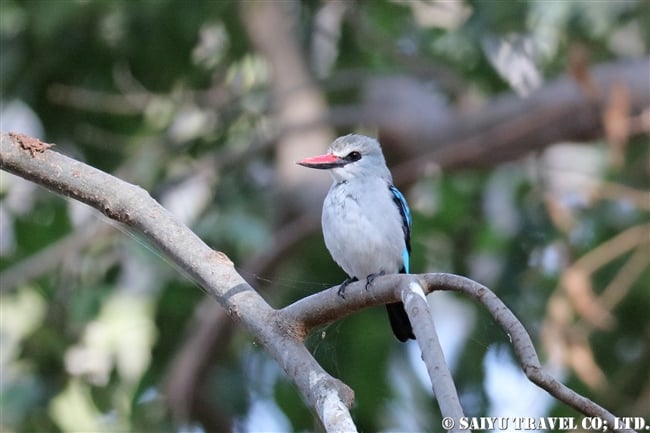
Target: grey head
{"points": [[352, 156]]}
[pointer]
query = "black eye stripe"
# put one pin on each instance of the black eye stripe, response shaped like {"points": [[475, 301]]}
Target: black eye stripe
{"points": [[353, 156]]}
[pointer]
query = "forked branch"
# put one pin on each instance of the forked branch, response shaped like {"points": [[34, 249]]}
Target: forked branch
{"points": [[280, 331]]}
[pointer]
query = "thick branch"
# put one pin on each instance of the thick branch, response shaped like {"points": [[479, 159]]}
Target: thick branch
{"points": [[417, 132], [132, 206], [211, 329]]}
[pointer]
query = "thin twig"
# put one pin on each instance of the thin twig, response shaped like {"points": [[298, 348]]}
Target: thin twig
{"points": [[522, 344], [613, 248], [619, 286]]}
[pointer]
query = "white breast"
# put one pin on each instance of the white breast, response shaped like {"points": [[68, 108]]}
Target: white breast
{"points": [[362, 227]]}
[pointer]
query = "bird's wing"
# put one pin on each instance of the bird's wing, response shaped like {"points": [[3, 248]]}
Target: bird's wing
{"points": [[405, 212]]}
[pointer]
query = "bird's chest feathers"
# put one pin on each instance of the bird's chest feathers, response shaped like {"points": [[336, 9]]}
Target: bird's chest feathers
{"points": [[353, 206], [362, 228]]}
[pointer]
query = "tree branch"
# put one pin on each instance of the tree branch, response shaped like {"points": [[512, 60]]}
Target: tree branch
{"points": [[417, 308], [324, 307], [417, 132], [280, 331], [213, 271], [211, 329], [51, 257], [521, 343]]}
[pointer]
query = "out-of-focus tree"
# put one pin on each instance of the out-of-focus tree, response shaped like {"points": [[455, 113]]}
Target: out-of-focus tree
{"points": [[519, 132]]}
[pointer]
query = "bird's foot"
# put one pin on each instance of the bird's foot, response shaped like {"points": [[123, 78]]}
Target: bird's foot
{"points": [[344, 284], [370, 278]]}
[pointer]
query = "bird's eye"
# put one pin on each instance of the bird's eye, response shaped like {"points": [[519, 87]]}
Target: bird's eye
{"points": [[353, 156]]}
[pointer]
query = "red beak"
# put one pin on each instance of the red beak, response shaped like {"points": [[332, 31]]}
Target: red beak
{"points": [[322, 162]]}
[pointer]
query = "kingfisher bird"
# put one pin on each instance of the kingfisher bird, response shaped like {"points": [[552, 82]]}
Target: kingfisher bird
{"points": [[366, 221]]}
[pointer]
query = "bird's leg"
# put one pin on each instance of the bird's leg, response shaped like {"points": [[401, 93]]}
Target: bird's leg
{"points": [[344, 284], [370, 278]]}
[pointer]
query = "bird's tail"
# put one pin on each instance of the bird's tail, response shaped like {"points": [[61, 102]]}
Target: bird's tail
{"points": [[399, 321]]}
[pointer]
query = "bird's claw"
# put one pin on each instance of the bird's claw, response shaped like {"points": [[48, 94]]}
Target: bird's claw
{"points": [[370, 278], [344, 284]]}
